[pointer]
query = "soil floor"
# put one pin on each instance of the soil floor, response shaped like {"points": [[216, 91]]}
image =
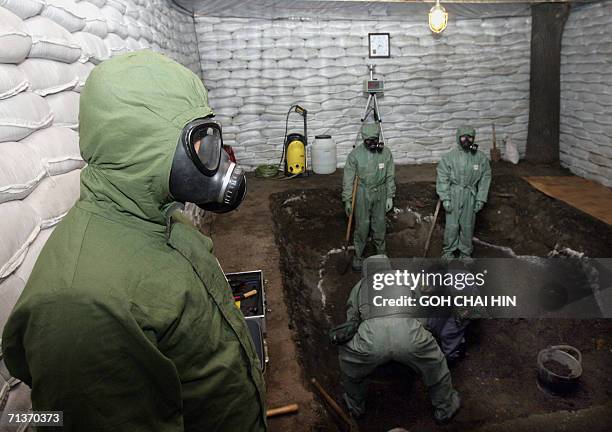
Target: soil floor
{"points": [[292, 229]]}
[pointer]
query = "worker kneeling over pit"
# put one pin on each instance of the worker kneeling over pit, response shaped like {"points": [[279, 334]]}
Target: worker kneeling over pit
{"points": [[373, 336], [127, 322]]}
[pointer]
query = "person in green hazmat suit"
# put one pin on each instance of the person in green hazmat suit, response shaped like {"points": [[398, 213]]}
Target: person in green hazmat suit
{"points": [[371, 164], [127, 322], [464, 177], [375, 334]]}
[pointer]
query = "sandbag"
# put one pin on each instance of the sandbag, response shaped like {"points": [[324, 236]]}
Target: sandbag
{"points": [[10, 290], [115, 44], [95, 23], [53, 197], [57, 149], [23, 8], [12, 81], [82, 71], [25, 269], [93, 48], [117, 4], [511, 154], [15, 42], [23, 114], [20, 226], [64, 12], [48, 76], [99, 3], [20, 171], [51, 41], [65, 108], [114, 21]]}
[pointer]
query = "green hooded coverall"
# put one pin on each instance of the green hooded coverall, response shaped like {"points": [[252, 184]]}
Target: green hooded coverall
{"points": [[376, 173], [127, 323], [391, 336], [463, 186]]}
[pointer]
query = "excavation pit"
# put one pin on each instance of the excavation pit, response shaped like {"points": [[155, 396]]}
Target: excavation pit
{"points": [[496, 379]]}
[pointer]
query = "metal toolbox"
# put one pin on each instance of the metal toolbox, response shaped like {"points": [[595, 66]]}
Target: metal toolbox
{"points": [[253, 308]]}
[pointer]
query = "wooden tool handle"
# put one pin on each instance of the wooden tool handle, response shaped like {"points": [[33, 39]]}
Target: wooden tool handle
{"points": [[331, 403], [287, 409], [249, 294], [433, 224], [494, 140], [350, 222]]}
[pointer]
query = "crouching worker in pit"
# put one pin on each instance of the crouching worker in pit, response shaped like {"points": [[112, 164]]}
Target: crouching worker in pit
{"points": [[374, 335], [370, 164], [127, 322]]}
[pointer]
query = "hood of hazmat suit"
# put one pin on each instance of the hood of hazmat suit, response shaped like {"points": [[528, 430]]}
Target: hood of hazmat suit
{"points": [[127, 322]]}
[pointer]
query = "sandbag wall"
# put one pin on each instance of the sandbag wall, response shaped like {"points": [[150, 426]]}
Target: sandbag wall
{"points": [[586, 92], [477, 72], [47, 49]]}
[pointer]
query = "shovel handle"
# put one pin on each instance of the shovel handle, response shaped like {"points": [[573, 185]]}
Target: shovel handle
{"points": [[350, 222]]}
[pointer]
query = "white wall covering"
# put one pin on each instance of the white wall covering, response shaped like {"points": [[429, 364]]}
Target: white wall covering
{"points": [[477, 72], [586, 93]]}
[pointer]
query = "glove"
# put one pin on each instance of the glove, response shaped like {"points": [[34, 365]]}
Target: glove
{"points": [[347, 208], [389, 204], [447, 206], [478, 206]]}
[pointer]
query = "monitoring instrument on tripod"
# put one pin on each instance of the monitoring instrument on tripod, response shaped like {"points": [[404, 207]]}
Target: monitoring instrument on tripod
{"points": [[372, 132]]}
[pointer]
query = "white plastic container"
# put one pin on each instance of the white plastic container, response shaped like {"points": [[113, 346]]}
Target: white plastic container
{"points": [[324, 155]]}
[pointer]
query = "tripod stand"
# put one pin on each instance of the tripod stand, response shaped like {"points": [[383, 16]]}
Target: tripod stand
{"points": [[373, 87]]}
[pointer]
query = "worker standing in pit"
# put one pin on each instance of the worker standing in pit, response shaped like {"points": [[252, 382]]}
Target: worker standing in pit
{"points": [[372, 162], [464, 177]]}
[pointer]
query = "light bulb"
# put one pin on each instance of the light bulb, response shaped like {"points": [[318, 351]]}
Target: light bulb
{"points": [[438, 18]]}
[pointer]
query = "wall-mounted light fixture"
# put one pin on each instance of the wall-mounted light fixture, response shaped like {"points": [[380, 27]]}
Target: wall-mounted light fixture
{"points": [[438, 18]]}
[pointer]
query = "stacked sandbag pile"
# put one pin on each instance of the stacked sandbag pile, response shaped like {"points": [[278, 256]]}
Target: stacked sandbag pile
{"points": [[477, 72], [586, 92], [47, 50]]}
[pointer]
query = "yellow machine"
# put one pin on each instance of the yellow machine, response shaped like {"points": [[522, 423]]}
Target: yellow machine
{"points": [[295, 145]]}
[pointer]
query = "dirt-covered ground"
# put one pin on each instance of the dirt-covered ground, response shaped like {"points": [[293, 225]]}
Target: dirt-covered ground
{"points": [[497, 379]]}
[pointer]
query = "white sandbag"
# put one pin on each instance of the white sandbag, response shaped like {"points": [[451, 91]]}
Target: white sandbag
{"points": [[48, 76], [93, 48], [511, 154], [64, 12], [10, 290], [20, 226], [15, 42], [117, 4], [51, 41], [115, 44], [132, 27], [20, 171], [23, 114], [114, 21], [53, 197], [81, 71], [99, 3], [65, 109], [95, 23], [12, 81], [57, 149], [23, 8], [25, 269], [132, 44]]}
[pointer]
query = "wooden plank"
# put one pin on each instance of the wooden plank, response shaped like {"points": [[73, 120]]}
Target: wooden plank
{"points": [[586, 195]]}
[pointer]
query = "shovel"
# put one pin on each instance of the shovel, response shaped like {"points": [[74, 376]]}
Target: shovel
{"points": [[433, 225], [495, 152], [346, 258]]}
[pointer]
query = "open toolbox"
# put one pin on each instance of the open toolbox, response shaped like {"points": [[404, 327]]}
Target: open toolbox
{"points": [[250, 296]]}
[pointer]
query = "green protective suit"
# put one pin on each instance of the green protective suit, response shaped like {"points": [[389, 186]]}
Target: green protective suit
{"points": [[462, 185], [380, 339], [127, 323], [376, 173]]}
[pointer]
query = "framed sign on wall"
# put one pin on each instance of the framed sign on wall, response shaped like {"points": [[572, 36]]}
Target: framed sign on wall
{"points": [[379, 45]]}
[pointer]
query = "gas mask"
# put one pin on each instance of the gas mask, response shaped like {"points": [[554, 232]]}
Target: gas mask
{"points": [[373, 144], [202, 172], [467, 143]]}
